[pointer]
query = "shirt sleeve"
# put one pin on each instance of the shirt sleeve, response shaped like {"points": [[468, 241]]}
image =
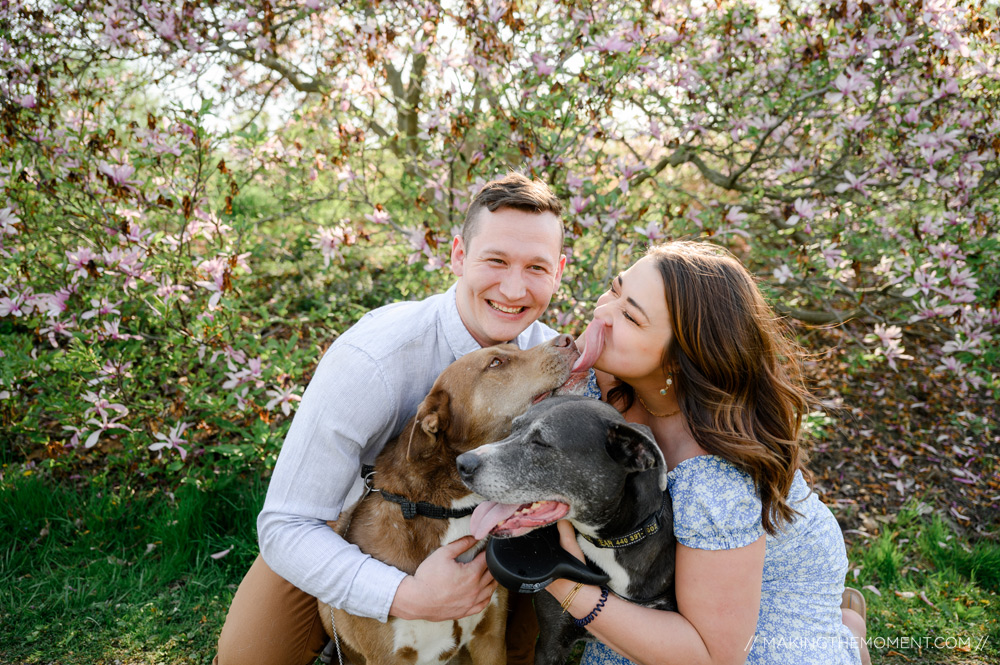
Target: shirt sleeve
{"points": [[715, 505], [346, 411]]}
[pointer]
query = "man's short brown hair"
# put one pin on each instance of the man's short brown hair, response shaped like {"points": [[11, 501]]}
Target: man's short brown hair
{"points": [[512, 191]]}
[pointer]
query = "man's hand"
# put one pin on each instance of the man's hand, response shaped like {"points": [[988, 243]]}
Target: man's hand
{"points": [[443, 589]]}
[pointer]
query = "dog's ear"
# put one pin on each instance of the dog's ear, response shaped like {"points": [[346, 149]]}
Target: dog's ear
{"points": [[634, 447], [433, 417]]}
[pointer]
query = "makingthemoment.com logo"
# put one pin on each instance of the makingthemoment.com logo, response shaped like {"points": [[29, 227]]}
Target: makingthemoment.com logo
{"points": [[880, 643]]}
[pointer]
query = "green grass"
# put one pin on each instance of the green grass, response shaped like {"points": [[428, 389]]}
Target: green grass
{"points": [[938, 599], [89, 575], [79, 582]]}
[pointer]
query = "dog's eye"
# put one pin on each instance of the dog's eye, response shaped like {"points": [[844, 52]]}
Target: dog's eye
{"points": [[496, 362]]}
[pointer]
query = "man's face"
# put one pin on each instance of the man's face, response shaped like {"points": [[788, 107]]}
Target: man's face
{"points": [[508, 272]]}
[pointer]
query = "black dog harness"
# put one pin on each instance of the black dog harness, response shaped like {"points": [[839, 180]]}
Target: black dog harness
{"points": [[412, 509], [652, 525]]}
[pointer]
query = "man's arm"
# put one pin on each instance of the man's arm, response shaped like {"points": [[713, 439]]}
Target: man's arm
{"points": [[346, 410]]}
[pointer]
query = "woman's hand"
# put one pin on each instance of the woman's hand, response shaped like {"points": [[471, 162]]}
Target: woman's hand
{"points": [[567, 539]]}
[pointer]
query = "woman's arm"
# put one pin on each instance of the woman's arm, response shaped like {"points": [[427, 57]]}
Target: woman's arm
{"points": [[718, 596]]}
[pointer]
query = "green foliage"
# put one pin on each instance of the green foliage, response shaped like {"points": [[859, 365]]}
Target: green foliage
{"points": [[92, 572], [171, 275], [936, 591]]}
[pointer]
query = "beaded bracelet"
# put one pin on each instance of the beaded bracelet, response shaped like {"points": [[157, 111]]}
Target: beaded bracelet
{"points": [[593, 613]]}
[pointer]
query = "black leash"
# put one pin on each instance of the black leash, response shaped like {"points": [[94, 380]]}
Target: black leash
{"points": [[412, 509]]}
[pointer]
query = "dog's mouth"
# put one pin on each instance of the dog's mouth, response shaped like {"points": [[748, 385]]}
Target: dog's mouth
{"points": [[538, 398], [505, 520], [575, 384]]}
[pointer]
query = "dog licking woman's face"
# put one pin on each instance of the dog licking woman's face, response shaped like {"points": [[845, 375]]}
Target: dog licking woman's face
{"points": [[631, 326], [508, 272]]}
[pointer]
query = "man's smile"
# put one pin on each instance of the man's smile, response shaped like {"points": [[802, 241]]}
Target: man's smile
{"points": [[505, 309]]}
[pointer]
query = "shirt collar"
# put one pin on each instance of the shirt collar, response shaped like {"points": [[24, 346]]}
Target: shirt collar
{"points": [[459, 338]]}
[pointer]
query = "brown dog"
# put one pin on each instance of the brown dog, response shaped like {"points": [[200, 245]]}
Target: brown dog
{"points": [[471, 403]]}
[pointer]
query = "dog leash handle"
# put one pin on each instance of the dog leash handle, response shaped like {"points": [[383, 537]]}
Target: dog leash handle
{"points": [[529, 563]]}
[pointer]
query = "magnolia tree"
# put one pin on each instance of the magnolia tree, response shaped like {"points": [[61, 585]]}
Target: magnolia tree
{"points": [[162, 161]]}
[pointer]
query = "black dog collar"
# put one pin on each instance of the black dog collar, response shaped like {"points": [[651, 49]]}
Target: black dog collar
{"points": [[412, 509], [647, 529]]}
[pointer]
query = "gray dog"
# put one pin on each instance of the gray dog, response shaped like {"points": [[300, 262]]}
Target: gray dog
{"points": [[576, 458]]}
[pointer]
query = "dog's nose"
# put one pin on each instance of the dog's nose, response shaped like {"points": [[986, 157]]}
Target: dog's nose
{"points": [[562, 341], [467, 465]]}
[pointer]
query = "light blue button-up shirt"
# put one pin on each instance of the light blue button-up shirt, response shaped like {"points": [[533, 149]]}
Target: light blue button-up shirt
{"points": [[367, 386]]}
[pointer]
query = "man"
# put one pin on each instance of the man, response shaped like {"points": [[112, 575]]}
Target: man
{"points": [[508, 261]]}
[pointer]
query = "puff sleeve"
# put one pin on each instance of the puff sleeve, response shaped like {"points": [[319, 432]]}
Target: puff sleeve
{"points": [[716, 506]]}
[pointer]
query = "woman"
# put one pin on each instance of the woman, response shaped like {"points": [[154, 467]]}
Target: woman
{"points": [[683, 342]]}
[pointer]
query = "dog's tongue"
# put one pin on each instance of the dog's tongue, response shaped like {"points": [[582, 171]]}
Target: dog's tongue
{"points": [[593, 339], [488, 514]]}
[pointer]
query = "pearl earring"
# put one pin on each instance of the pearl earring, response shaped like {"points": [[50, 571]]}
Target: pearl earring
{"points": [[670, 382]]}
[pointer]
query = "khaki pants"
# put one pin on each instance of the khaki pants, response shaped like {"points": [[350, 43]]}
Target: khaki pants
{"points": [[271, 622]]}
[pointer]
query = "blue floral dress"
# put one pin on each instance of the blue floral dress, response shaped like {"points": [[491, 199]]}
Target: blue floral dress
{"points": [[716, 507]]}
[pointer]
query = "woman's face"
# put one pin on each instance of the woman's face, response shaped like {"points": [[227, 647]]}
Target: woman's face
{"points": [[636, 325]]}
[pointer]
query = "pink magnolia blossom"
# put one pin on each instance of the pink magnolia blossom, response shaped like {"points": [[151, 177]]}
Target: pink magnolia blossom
{"points": [[931, 226], [611, 44], [931, 309], [653, 231], [327, 240], [166, 27], [80, 260], [542, 67], [216, 287], [735, 215], [110, 331], [172, 440], [21, 304], [963, 278], [101, 308], [891, 347], [579, 203], [969, 342], [239, 26], [8, 221], [574, 182], [847, 85], [119, 174], [252, 374], [804, 209], [783, 273], [57, 327], [925, 280], [856, 183], [102, 425], [282, 398], [54, 304], [950, 364], [832, 255], [946, 253], [110, 371], [102, 405], [378, 216]]}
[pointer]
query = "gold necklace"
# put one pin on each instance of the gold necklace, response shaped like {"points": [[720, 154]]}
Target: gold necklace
{"points": [[654, 413]]}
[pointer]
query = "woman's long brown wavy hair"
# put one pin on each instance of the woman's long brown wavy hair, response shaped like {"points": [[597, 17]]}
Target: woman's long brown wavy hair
{"points": [[736, 372]]}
